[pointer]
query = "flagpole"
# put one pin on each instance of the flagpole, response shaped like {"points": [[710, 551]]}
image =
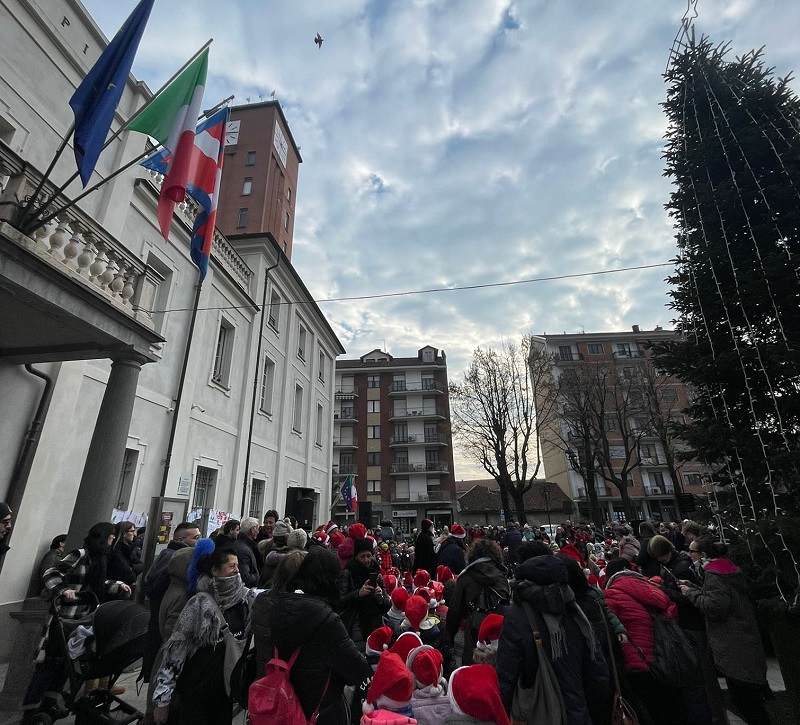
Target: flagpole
{"points": [[178, 398], [116, 134], [41, 222]]}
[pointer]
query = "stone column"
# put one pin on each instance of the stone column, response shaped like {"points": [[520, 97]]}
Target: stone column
{"points": [[97, 494]]}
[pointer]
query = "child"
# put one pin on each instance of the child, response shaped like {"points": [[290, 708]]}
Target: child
{"points": [[389, 696], [429, 701], [488, 638], [474, 694]]}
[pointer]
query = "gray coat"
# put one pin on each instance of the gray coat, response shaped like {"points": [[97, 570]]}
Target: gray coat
{"points": [[731, 625]]}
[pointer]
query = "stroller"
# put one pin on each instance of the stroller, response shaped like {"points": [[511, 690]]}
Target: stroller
{"points": [[120, 633]]}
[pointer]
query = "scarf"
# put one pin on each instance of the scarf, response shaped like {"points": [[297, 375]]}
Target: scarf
{"points": [[554, 602], [227, 591]]}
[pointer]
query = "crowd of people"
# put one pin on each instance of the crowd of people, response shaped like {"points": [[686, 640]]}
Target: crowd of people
{"points": [[459, 625]]}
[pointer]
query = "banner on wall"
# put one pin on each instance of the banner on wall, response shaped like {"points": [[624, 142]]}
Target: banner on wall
{"points": [[137, 519]]}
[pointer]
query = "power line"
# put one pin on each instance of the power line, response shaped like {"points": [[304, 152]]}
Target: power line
{"points": [[408, 293]]}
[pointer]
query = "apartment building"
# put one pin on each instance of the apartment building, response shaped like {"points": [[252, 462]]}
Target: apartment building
{"points": [[637, 444], [392, 432]]}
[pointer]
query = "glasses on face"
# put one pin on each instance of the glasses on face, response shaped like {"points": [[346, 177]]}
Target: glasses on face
{"points": [[695, 551]]}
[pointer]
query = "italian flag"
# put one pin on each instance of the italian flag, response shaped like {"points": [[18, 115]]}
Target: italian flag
{"points": [[171, 118]]}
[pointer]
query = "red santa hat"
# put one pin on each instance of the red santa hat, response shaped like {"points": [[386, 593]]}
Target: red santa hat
{"points": [[572, 552], [392, 685], [335, 539], [443, 573], [379, 640], [489, 633], [421, 578], [416, 610], [330, 527], [357, 531], [404, 644], [399, 599], [438, 590], [408, 581], [426, 665], [320, 537], [475, 692], [458, 531], [390, 583]]}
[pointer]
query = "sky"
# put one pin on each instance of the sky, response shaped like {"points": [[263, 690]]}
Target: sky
{"points": [[453, 143]]}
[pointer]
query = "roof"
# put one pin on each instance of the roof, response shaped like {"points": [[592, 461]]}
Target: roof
{"points": [[439, 360], [481, 498]]}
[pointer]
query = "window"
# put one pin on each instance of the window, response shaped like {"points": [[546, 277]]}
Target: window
{"points": [[301, 343], [565, 352], [223, 354], [247, 186], [288, 195], [624, 349], [256, 498], [595, 348], [427, 356], [374, 459], [648, 454], [275, 311], [251, 158], [373, 431], [611, 422], [126, 477], [373, 406], [669, 395], [241, 221], [616, 451], [160, 276], [267, 385], [373, 381], [692, 479], [657, 479], [373, 487], [286, 221], [428, 383], [297, 421], [322, 366], [204, 480], [320, 425], [401, 455]]}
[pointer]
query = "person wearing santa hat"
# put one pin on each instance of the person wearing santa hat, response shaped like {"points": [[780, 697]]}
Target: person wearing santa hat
{"points": [[389, 696], [335, 537], [345, 548], [421, 578], [377, 643], [475, 697], [319, 538], [424, 549], [451, 552], [396, 612], [488, 639], [429, 701]]}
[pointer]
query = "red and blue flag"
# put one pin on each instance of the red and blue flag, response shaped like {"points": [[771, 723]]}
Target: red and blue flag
{"points": [[203, 183], [349, 493]]}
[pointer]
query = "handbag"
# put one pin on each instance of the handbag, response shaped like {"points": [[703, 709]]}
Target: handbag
{"points": [[244, 674], [541, 704], [621, 711], [674, 661]]}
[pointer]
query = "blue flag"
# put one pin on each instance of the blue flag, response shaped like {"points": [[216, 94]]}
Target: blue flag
{"points": [[97, 97]]}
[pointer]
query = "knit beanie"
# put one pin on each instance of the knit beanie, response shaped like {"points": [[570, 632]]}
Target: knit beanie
{"points": [[297, 539], [360, 545]]}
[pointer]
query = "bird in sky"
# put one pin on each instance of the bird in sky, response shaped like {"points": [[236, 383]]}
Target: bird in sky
{"points": [[318, 40]]}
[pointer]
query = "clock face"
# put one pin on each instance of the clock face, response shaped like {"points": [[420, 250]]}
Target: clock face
{"points": [[232, 133], [280, 144]]}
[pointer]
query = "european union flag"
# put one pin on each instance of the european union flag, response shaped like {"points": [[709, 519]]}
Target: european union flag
{"points": [[97, 97]]}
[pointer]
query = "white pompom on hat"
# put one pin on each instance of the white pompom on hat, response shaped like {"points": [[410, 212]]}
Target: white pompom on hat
{"points": [[458, 531], [392, 685], [379, 640], [426, 665], [489, 633]]}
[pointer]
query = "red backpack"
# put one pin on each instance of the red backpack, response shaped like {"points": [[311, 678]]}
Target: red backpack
{"points": [[272, 699]]}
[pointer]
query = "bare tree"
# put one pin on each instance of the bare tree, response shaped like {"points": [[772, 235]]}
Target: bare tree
{"points": [[496, 421]]}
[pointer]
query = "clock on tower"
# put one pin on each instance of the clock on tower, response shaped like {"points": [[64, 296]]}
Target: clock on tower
{"points": [[232, 133]]}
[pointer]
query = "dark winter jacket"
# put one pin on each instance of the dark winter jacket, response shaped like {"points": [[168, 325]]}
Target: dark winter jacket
{"points": [[471, 582], [271, 561], [582, 676], [425, 554], [679, 568], [247, 553], [360, 616], [297, 620], [633, 599], [512, 540], [733, 635], [157, 579], [261, 630], [124, 564], [647, 563], [451, 554]]}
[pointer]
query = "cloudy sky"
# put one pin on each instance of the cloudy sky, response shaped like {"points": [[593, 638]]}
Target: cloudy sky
{"points": [[449, 143]]}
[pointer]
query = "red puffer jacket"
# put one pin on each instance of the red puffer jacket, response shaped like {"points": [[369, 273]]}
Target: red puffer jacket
{"points": [[633, 599]]}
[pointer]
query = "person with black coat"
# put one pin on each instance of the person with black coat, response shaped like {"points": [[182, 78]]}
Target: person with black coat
{"points": [[647, 563], [303, 618], [451, 551], [247, 552], [567, 638], [125, 562], [424, 550]]}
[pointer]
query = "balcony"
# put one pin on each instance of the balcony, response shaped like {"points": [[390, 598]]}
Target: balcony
{"points": [[422, 497], [665, 490], [346, 392], [437, 467], [419, 440], [345, 442], [344, 469], [405, 440], [628, 355], [401, 387], [427, 412], [345, 415], [567, 357], [396, 469], [649, 461]]}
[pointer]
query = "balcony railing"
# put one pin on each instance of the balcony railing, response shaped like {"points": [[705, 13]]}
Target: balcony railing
{"points": [[430, 466], [346, 391], [437, 466], [567, 357], [403, 440], [345, 442], [344, 469], [422, 497], [418, 440], [426, 412], [400, 387], [628, 355], [345, 414]]}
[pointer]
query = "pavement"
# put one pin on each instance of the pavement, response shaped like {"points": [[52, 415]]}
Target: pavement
{"points": [[137, 699]]}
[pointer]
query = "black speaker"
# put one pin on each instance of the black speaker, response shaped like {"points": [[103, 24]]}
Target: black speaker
{"points": [[365, 513], [304, 512]]}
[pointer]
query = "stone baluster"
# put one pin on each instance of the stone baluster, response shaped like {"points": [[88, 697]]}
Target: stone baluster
{"points": [[128, 287], [109, 274], [98, 266], [42, 235], [74, 247], [58, 238], [87, 256], [119, 281]]}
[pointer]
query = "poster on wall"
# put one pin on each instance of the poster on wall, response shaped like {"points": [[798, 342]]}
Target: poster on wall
{"points": [[138, 520], [216, 520], [165, 527]]}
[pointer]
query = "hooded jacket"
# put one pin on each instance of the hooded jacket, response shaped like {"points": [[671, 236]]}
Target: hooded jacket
{"points": [[580, 668], [430, 709], [298, 620], [176, 595], [471, 582], [733, 635], [633, 599], [451, 554]]}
